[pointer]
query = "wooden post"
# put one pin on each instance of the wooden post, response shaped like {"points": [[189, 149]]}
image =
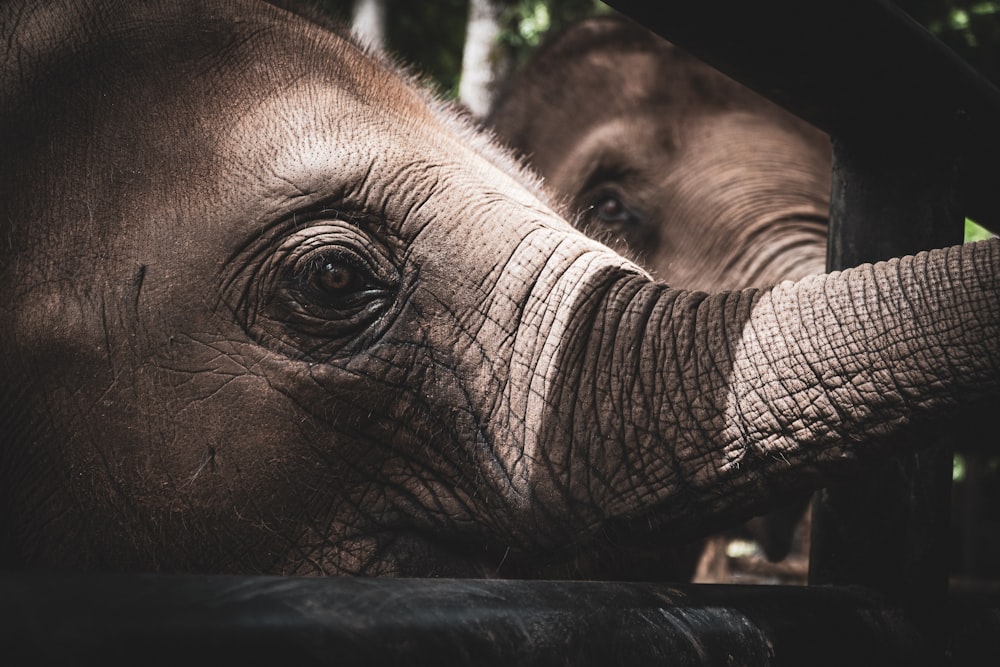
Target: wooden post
{"points": [[888, 530]]}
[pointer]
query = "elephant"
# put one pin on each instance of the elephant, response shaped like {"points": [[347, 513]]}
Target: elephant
{"points": [[702, 181], [271, 307]]}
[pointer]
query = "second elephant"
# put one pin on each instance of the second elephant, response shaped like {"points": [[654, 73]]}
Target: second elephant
{"points": [[709, 185]]}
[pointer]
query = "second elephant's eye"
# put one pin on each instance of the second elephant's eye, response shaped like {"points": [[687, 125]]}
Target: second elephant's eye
{"points": [[616, 218], [610, 210]]}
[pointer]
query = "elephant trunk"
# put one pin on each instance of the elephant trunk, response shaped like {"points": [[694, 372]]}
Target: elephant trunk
{"points": [[730, 402]]}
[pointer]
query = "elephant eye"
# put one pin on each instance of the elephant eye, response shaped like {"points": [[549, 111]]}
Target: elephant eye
{"points": [[611, 220], [338, 283], [332, 279], [610, 210], [327, 290]]}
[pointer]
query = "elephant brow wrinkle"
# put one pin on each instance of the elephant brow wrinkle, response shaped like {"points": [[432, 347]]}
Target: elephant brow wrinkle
{"points": [[137, 281]]}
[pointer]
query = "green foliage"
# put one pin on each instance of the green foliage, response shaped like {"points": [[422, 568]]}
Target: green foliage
{"points": [[974, 232], [970, 27], [529, 22]]}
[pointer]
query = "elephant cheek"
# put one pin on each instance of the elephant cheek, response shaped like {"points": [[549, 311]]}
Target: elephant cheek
{"points": [[218, 460]]}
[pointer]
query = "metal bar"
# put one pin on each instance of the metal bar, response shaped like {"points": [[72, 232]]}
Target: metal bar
{"points": [[847, 66], [193, 620], [888, 529]]}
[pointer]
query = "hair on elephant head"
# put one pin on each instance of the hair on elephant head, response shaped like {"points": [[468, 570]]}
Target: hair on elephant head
{"points": [[270, 307]]}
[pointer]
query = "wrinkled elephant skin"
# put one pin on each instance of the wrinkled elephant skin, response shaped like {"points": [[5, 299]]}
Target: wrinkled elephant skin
{"points": [[268, 307]]}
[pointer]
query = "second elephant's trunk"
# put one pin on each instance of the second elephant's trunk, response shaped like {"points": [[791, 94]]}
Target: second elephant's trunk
{"points": [[727, 403]]}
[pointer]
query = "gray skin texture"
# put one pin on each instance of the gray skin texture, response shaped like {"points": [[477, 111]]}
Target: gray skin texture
{"points": [[269, 307], [703, 182]]}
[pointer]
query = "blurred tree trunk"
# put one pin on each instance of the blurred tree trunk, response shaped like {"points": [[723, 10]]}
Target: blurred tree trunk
{"points": [[485, 60], [368, 22]]}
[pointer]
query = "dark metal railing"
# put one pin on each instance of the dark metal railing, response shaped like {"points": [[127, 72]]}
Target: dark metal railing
{"points": [[189, 620]]}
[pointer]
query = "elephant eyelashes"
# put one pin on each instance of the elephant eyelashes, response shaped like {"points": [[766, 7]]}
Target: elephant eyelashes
{"points": [[610, 210], [610, 219], [324, 291]]}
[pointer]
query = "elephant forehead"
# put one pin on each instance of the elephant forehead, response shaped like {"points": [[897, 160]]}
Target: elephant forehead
{"points": [[412, 164], [611, 146]]}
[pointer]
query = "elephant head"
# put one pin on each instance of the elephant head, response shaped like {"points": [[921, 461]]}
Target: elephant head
{"points": [[702, 181], [269, 307]]}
